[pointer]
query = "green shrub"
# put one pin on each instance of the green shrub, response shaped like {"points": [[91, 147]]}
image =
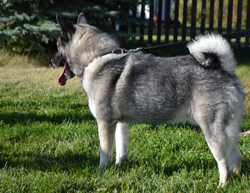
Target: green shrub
{"points": [[27, 25]]}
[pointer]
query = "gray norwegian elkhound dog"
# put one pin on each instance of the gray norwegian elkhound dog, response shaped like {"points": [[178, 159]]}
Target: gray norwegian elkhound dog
{"points": [[200, 88]]}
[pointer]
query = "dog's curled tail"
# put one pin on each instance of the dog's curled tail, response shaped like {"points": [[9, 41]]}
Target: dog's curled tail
{"points": [[213, 51]]}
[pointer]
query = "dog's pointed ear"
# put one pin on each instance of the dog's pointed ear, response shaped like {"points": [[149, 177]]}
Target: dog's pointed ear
{"points": [[81, 19], [64, 25], [67, 29]]}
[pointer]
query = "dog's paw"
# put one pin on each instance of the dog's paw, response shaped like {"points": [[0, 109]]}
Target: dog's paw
{"points": [[102, 166], [119, 162], [222, 185]]}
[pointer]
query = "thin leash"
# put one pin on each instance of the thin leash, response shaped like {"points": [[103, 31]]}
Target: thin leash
{"points": [[245, 33], [145, 49]]}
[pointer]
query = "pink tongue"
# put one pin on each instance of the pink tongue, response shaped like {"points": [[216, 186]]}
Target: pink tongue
{"points": [[62, 79]]}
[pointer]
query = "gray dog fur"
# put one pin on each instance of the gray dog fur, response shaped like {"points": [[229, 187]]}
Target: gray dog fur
{"points": [[200, 88]]}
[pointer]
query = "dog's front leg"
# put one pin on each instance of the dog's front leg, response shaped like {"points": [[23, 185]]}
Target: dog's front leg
{"points": [[122, 141], [107, 137]]}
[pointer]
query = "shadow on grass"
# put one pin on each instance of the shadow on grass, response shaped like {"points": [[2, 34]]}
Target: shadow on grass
{"points": [[70, 161], [23, 118], [197, 164], [169, 169], [176, 127], [65, 162], [81, 161]]}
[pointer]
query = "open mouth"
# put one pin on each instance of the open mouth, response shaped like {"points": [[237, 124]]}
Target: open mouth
{"points": [[62, 79], [66, 73], [59, 60]]}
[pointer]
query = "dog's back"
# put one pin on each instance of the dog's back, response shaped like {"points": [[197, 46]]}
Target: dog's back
{"points": [[142, 88]]}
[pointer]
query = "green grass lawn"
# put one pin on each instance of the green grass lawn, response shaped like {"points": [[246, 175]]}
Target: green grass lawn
{"points": [[49, 141]]}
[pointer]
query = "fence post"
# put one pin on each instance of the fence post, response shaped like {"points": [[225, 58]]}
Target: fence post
{"points": [[220, 17], [142, 17], [151, 21], [211, 18], [238, 25], [176, 21], [159, 15], [167, 20], [248, 23], [133, 25], [203, 16], [184, 22], [229, 17], [193, 19]]}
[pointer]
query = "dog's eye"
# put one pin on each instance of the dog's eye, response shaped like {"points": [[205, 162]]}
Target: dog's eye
{"points": [[62, 38]]}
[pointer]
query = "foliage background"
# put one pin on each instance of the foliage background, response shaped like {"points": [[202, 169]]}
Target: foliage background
{"points": [[27, 25]]}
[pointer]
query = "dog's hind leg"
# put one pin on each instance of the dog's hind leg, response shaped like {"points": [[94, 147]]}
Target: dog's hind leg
{"points": [[227, 154], [122, 141], [222, 150], [107, 137], [237, 160], [221, 130]]}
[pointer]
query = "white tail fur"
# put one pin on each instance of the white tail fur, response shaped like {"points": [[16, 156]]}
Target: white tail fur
{"points": [[209, 48]]}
